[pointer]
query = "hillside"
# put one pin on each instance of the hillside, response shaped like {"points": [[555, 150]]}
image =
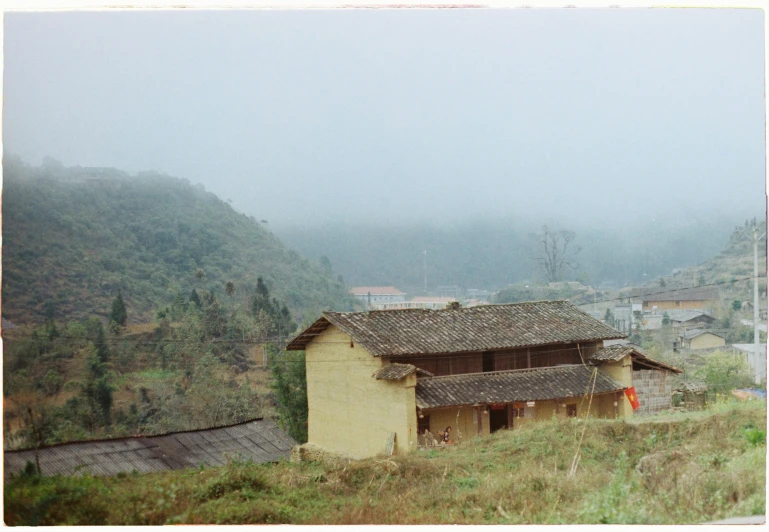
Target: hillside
{"points": [[74, 237], [667, 469]]}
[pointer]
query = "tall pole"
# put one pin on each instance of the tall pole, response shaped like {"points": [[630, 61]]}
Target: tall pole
{"points": [[425, 272], [757, 355]]}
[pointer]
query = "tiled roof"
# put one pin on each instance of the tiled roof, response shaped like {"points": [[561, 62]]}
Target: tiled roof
{"points": [[395, 371], [260, 440], [695, 293], [376, 291], [687, 315], [539, 384], [417, 331], [618, 352], [694, 333], [613, 352]]}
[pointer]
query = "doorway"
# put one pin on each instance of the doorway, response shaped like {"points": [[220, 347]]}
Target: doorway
{"points": [[498, 417]]}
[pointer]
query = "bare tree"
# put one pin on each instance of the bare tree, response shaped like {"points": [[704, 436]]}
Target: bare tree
{"points": [[556, 251]]}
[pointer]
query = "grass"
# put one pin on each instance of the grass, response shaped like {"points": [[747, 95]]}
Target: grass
{"points": [[686, 468]]}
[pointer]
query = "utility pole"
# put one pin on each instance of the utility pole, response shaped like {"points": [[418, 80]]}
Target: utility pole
{"points": [[757, 354], [756, 348], [425, 272]]}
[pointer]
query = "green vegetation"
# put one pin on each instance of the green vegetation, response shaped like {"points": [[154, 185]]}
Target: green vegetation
{"points": [[74, 241], [677, 468], [186, 374]]}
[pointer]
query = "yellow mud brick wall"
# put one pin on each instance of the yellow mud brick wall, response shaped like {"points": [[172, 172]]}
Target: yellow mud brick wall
{"points": [[460, 420], [621, 371], [350, 411], [705, 341]]}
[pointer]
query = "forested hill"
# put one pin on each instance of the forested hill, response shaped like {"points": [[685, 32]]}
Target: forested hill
{"points": [[74, 237]]}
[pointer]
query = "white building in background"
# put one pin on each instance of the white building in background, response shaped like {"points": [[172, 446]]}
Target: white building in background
{"points": [[372, 296], [757, 362], [423, 302]]}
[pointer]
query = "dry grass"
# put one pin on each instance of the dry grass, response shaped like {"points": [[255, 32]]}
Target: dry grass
{"points": [[676, 469]]}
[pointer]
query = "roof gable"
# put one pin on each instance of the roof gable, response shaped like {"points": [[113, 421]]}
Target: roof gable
{"points": [[474, 329]]}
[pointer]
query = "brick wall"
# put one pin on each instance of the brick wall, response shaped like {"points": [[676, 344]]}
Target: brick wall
{"points": [[654, 389]]}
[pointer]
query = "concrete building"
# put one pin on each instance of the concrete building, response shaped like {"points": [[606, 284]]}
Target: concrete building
{"points": [[374, 378], [377, 295]]}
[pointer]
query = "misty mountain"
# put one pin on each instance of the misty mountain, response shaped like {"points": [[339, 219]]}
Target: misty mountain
{"points": [[490, 254], [74, 237]]}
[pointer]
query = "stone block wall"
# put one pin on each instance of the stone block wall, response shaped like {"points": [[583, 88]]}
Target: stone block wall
{"points": [[654, 389]]}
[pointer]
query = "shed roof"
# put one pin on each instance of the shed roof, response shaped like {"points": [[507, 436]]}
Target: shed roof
{"points": [[692, 387], [640, 360], [396, 371], [473, 329], [259, 440], [538, 384], [688, 315]]}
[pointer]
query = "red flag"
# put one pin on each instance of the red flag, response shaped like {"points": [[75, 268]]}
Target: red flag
{"points": [[632, 397]]}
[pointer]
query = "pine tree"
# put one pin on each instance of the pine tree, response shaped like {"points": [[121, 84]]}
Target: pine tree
{"points": [[118, 314], [195, 298]]}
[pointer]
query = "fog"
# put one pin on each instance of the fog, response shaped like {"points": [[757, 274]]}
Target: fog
{"points": [[609, 117]]}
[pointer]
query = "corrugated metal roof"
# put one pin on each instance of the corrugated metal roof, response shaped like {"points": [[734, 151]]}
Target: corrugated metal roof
{"points": [[417, 331], [259, 440], [539, 384]]}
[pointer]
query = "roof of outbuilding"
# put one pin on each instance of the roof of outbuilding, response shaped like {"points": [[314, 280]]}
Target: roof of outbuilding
{"points": [[692, 386], [687, 315], [396, 371], [259, 439], [618, 352], [540, 384], [474, 329]]}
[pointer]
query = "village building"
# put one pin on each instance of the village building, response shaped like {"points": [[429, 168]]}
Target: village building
{"points": [[389, 376], [700, 339], [377, 295], [420, 302], [690, 318], [695, 298]]}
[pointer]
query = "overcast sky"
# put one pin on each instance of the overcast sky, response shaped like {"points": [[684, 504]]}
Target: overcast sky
{"points": [[317, 116]]}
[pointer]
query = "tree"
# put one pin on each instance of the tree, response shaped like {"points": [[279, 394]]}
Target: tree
{"points": [[665, 319], [724, 372], [737, 305], [608, 318], [229, 288], [290, 386], [195, 298], [118, 314], [556, 252], [662, 282]]}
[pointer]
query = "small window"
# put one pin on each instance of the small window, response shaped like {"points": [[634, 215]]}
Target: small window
{"points": [[518, 412], [678, 303]]}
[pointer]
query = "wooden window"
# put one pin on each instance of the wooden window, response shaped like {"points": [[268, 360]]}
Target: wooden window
{"points": [[571, 410]]}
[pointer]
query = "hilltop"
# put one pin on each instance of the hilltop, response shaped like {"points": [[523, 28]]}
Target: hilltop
{"points": [[74, 237]]}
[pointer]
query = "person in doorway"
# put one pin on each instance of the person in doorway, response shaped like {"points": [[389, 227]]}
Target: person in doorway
{"points": [[446, 438]]}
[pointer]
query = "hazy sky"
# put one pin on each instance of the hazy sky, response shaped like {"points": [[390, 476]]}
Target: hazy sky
{"points": [[313, 116]]}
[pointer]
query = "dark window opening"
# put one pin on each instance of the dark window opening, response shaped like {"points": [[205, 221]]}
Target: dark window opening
{"points": [[488, 362], [423, 424], [571, 410], [498, 418]]}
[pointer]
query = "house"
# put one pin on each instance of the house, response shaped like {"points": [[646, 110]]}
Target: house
{"points": [[690, 318], [259, 440], [695, 298], [700, 339], [374, 295], [756, 361], [424, 302], [374, 376]]}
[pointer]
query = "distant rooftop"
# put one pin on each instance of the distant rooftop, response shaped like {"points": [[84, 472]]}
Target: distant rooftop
{"points": [[376, 291]]}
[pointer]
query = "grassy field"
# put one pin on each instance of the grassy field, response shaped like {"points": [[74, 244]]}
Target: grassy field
{"points": [[680, 468]]}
